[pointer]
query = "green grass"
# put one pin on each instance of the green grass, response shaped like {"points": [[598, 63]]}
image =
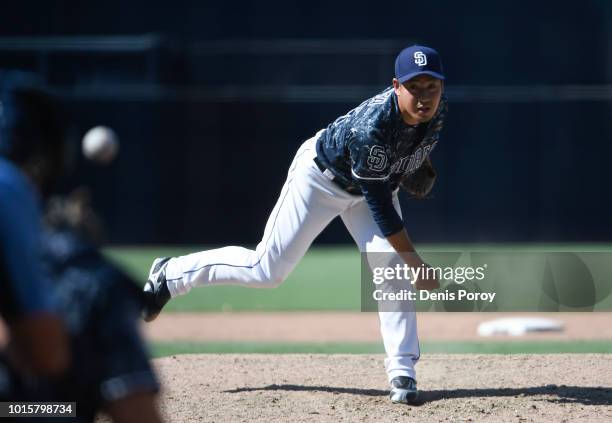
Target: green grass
{"points": [[518, 347], [163, 349], [327, 278], [172, 348]]}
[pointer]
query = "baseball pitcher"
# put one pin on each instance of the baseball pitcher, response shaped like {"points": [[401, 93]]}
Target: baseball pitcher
{"points": [[354, 169]]}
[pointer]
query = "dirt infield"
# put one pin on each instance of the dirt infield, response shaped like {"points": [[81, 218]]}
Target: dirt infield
{"points": [[355, 327], [332, 388], [350, 327]]}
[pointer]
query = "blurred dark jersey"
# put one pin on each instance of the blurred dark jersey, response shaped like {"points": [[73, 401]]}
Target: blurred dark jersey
{"points": [[101, 307]]}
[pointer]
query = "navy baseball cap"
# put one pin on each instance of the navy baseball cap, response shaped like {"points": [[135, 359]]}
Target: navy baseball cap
{"points": [[418, 60]]}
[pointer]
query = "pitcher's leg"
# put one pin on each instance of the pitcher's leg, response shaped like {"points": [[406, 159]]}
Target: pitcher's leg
{"points": [[302, 211], [398, 328], [399, 331]]}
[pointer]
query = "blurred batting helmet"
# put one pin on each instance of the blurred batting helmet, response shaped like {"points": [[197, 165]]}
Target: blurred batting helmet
{"points": [[32, 129]]}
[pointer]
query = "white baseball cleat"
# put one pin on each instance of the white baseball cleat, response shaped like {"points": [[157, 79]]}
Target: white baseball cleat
{"points": [[404, 390]]}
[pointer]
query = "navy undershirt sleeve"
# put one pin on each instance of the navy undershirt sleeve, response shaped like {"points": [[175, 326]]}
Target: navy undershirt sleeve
{"points": [[379, 198]]}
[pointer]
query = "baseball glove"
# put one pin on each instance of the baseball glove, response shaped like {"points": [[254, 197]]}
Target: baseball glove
{"points": [[420, 183]]}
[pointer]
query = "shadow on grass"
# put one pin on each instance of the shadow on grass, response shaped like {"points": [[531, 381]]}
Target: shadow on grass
{"points": [[560, 394]]}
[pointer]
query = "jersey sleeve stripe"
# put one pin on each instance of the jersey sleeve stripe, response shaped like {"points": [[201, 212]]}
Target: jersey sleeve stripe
{"points": [[363, 178]]}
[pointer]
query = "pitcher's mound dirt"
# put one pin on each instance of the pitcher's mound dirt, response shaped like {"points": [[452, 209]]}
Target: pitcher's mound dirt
{"points": [[331, 388]]}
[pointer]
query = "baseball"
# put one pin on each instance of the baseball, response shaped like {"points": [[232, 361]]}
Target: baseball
{"points": [[100, 144]]}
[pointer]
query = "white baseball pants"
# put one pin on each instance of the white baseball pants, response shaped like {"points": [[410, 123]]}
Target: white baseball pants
{"points": [[308, 202]]}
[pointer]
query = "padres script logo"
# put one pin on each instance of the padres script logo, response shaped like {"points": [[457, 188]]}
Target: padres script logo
{"points": [[377, 160], [420, 58]]}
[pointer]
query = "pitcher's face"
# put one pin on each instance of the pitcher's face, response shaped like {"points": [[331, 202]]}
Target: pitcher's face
{"points": [[418, 98]]}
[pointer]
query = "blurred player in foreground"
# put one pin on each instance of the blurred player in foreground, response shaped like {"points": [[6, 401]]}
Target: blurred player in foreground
{"points": [[60, 298], [32, 134], [352, 169], [101, 307]]}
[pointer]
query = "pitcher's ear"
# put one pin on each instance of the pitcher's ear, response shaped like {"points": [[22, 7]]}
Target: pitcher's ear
{"points": [[396, 85]]}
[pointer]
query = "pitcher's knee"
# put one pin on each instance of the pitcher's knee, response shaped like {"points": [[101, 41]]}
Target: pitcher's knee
{"points": [[276, 281], [272, 279]]}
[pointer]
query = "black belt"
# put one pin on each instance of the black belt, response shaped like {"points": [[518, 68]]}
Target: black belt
{"points": [[348, 188], [320, 165]]}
